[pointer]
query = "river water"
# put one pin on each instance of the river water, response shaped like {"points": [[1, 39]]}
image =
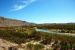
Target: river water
{"points": [[47, 31]]}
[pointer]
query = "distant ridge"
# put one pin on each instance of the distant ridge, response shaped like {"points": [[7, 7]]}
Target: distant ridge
{"points": [[5, 22]]}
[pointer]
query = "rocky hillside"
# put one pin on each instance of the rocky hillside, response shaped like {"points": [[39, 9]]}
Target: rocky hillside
{"points": [[4, 22]]}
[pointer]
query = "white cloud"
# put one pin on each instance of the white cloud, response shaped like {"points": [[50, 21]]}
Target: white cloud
{"points": [[22, 5], [18, 7]]}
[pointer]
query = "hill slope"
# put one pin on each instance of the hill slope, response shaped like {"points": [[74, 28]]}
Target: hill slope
{"points": [[4, 22]]}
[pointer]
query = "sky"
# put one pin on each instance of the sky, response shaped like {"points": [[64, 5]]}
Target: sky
{"points": [[39, 11]]}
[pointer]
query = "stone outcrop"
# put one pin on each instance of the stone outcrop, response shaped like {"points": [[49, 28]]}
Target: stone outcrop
{"points": [[6, 45]]}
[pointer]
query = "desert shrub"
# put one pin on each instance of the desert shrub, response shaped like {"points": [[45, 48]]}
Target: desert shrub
{"points": [[38, 47], [30, 46], [34, 47]]}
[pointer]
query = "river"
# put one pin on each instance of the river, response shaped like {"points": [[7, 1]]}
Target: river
{"points": [[47, 31]]}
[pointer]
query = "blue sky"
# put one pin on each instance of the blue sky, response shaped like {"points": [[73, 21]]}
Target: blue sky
{"points": [[39, 11]]}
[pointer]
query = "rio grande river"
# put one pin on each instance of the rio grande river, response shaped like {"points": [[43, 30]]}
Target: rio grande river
{"points": [[47, 31]]}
